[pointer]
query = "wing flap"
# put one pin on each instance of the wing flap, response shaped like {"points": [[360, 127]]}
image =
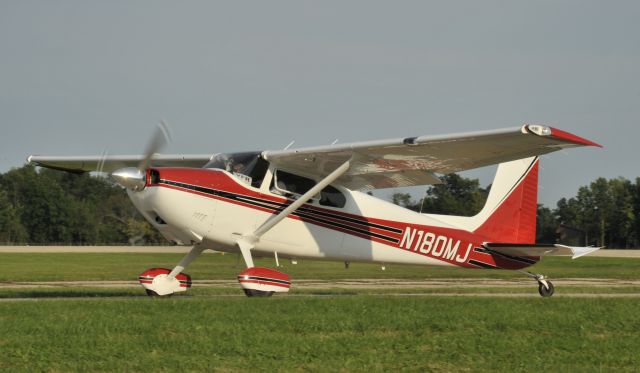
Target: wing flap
{"points": [[539, 250]]}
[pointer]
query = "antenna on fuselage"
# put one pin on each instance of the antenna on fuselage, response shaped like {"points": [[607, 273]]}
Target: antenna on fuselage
{"points": [[288, 146], [423, 199]]}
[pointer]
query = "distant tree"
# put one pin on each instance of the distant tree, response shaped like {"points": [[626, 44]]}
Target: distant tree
{"points": [[455, 196], [11, 229], [620, 227], [546, 226], [43, 207], [404, 200]]}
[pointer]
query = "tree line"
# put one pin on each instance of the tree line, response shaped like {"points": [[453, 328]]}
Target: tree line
{"points": [[41, 206]]}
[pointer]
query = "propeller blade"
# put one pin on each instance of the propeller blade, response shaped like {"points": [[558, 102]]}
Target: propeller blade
{"points": [[103, 159], [161, 137]]}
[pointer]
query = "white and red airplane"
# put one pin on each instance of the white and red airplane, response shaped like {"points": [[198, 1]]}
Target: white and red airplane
{"points": [[310, 203]]}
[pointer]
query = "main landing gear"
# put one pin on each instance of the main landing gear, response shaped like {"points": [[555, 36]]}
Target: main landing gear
{"points": [[255, 281], [545, 287]]}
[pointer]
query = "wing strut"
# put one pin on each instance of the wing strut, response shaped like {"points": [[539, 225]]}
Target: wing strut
{"points": [[248, 241]]}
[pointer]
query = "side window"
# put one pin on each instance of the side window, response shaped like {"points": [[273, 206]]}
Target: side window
{"points": [[285, 182], [289, 184], [332, 197]]}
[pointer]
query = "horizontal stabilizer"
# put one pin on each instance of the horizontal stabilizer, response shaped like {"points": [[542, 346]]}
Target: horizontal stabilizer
{"points": [[539, 250]]}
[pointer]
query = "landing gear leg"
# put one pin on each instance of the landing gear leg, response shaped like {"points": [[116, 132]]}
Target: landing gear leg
{"points": [[545, 287], [186, 260]]}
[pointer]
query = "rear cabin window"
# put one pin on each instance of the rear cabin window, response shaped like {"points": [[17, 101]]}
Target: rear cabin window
{"points": [[331, 196], [294, 185]]}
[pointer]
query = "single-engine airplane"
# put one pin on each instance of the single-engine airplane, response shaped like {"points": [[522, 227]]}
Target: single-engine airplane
{"points": [[311, 203]]}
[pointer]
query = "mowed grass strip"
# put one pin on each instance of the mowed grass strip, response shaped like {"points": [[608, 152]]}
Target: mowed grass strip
{"points": [[127, 266], [356, 333], [87, 292]]}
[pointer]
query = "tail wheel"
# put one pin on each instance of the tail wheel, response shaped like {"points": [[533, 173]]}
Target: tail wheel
{"points": [[544, 291]]}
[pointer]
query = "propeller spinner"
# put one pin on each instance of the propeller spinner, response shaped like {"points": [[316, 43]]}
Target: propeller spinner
{"points": [[134, 178]]}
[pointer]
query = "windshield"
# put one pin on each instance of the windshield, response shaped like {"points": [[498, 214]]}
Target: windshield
{"points": [[249, 167]]}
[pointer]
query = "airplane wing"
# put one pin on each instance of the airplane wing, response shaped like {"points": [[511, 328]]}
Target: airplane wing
{"points": [[539, 250], [80, 164], [414, 161]]}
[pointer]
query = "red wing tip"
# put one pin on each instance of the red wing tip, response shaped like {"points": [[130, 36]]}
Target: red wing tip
{"points": [[566, 136]]}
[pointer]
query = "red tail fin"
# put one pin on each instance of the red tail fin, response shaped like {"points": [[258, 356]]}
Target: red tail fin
{"points": [[514, 218]]}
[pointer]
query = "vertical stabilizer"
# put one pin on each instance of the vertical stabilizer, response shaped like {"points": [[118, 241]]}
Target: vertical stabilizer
{"points": [[509, 214]]}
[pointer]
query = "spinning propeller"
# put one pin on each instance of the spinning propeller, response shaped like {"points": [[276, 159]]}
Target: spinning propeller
{"points": [[135, 178]]}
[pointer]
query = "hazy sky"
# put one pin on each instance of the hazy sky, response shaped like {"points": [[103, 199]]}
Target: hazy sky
{"points": [[79, 77]]}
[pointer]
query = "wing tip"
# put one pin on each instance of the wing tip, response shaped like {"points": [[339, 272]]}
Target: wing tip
{"points": [[566, 136], [558, 134]]}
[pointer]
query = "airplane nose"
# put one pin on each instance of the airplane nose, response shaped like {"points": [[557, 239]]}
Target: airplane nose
{"points": [[130, 178]]}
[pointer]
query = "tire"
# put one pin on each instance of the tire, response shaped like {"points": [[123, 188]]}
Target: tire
{"points": [[544, 292], [152, 293], [257, 293]]}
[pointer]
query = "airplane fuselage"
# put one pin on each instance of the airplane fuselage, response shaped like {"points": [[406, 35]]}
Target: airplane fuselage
{"points": [[215, 208]]}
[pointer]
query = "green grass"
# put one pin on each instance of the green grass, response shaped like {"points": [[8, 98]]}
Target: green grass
{"points": [[357, 333], [79, 329], [86, 292], [127, 266]]}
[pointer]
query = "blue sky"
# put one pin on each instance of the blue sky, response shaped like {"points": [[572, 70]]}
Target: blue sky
{"points": [[79, 77]]}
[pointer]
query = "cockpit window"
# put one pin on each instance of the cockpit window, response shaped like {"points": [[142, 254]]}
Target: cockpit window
{"points": [[248, 167]]}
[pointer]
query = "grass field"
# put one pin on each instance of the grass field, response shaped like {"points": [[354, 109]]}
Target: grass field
{"points": [[106, 329], [127, 266], [357, 333]]}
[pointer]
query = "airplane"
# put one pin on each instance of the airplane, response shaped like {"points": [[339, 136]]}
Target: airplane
{"points": [[312, 203]]}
